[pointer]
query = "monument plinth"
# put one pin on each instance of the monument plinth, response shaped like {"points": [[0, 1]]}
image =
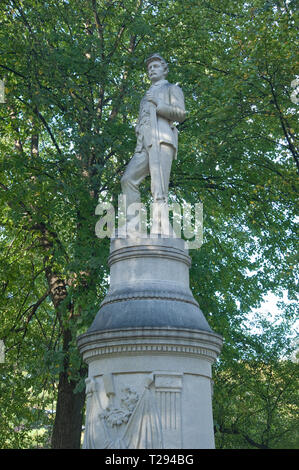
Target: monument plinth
{"points": [[149, 352]]}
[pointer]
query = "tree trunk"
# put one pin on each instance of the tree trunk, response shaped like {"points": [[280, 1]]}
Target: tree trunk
{"points": [[69, 409]]}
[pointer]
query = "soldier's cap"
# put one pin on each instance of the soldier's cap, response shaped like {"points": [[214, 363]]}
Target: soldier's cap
{"points": [[156, 57]]}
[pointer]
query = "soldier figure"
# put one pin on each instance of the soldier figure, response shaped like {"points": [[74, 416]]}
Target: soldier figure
{"points": [[157, 140]]}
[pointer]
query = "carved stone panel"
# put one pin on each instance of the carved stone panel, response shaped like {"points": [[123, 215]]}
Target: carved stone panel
{"points": [[119, 416], [168, 388]]}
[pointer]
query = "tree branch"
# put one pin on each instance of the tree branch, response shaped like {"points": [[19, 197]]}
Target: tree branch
{"points": [[287, 134], [235, 431]]}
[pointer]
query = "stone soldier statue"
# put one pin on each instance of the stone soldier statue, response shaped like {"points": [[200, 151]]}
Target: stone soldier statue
{"points": [[157, 140]]}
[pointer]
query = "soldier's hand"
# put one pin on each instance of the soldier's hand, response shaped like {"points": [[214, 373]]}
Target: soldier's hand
{"points": [[150, 97]]}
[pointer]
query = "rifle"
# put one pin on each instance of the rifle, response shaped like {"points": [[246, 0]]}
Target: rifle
{"points": [[154, 154]]}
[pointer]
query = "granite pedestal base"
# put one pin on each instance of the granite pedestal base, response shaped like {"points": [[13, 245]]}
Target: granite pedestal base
{"points": [[150, 352]]}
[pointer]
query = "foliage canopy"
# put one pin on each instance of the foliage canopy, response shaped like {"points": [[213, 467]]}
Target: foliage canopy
{"points": [[74, 74]]}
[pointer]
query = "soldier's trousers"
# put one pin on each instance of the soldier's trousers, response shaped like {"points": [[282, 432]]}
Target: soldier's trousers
{"points": [[140, 166]]}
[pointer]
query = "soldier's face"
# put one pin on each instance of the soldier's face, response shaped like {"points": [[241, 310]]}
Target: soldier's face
{"points": [[156, 70]]}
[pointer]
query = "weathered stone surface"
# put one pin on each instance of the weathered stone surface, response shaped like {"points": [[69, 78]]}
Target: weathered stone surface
{"points": [[157, 136], [150, 348], [150, 351], [149, 410], [149, 287]]}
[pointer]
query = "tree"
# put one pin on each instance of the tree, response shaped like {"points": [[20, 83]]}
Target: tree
{"points": [[74, 77], [256, 399]]}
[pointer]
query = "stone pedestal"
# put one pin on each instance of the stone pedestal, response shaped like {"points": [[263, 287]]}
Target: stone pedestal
{"points": [[149, 352]]}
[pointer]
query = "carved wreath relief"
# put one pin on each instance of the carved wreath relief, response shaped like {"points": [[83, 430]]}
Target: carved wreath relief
{"points": [[115, 416], [148, 418]]}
